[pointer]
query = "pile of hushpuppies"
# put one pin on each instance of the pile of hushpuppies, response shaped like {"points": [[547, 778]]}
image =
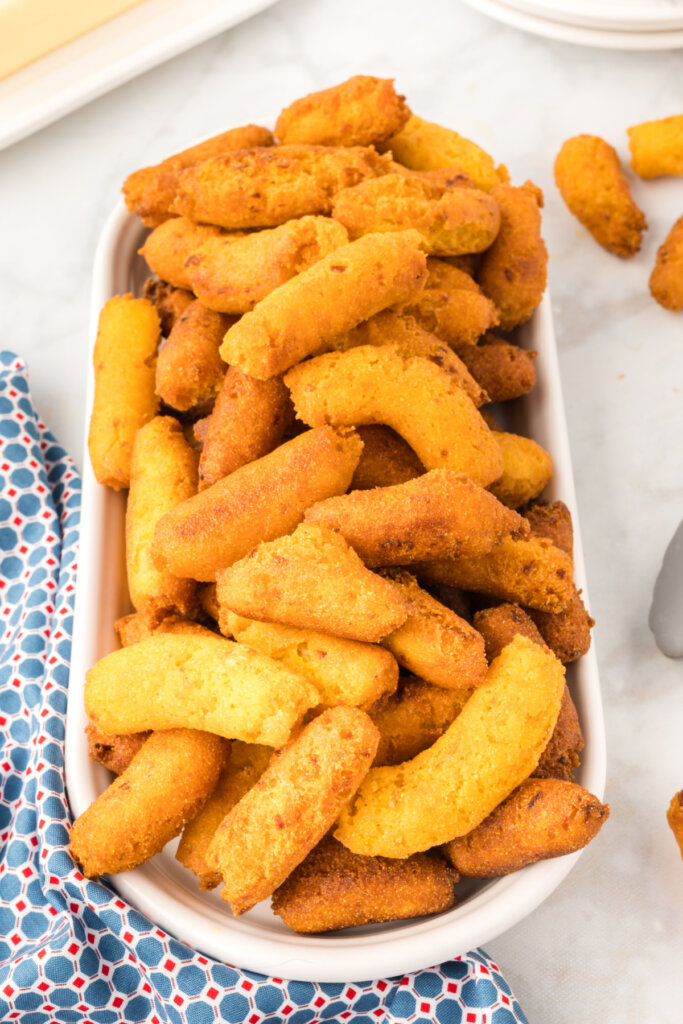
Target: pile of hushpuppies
{"points": [[343, 680]]}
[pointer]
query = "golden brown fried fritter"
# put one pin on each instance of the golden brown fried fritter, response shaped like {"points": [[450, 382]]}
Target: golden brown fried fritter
{"points": [[513, 271], [209, 601], [132, 628], [666, 279], [414, 718], [165, 785], [386, 460], [248, 421], [312, 579], [657, 147], [440, 514], [500, 624], [124, 358], [503, 370], [568, 633], [426, 146], [113, 751], [527, 470], [149, 192], [490, 748], [452, 305], [231, 273], [260, 501], [434, 642], [553, 521], [561, 756], [361, 111], [261, 188], [421, 401], [334, 888], [451, 221], [170, 302], [674, 816], [197, 682], [246, 765], [590, 181], [543, 818], [330, 298], [291, 807], [169, 246], [190, 370]]}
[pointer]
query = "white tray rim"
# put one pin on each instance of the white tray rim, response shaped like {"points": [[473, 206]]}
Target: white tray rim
{"points": [[155, 889]]}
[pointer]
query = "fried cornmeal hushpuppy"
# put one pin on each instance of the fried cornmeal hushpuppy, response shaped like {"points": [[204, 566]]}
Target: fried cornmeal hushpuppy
{"points": [[163, 473], [165, 785], [197, 682], [331, 297], [561, 756], [657, 147], [543, 818], [421, 401], [426, 146], [344, 671], [409, 338], [260, 501], [261, 188], [451, 221], [169, 246], [452, 305], [386, 459], [489, 749], [231, 273], [434, 642], [312, 579], [113, 751], [500, 624], [527, 469], [666, 279], [414, 718], [590, 180], [503, 370], [439, 514], [334, 888], [674, 816], [246, 765], [150, 191], [132, 628], [170, 302], [513, 271], [529, 571], [361, 111], [248, 421], [190, 370], [291, 807], [124, 358]]}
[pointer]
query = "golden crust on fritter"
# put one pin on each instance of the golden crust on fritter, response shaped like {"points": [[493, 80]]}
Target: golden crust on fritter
{"points": [[291, 807], [503, 370], [666, 279], [440, 514], [150, 191], [312, 579], [674, 816], [426, 146], [553, 521], [331, 297], [334, 888], [414, 718], [248, 421], [386, 460], [657, 147], [500, 624], [190, 370], [257, 502], [132, 628], [452, 305], [170, 302], [513, 271], [561, 756], [111, 750], [197, 682], [421, 401], [361, 111], [231, 273], [164, 785], [246, 765], [451, 221], [168, 247], [489, 749], [589, 177], [261, 188], [543, 818], [567, 633], [527, 470]]}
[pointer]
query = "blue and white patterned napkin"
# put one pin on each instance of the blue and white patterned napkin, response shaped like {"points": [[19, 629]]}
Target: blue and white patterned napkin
{"points": [[70, 949]]}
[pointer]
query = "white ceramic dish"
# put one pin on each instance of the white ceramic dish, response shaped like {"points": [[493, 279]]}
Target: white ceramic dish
{"points": [[609, 39], [165, 891], [617, 15], [109, 55]]}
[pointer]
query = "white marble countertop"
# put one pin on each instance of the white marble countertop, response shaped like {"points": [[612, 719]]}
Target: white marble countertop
{"points": [[607, 945]]}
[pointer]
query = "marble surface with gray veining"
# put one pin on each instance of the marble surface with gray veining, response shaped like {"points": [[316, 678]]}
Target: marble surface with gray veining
{"points": [[607, 945]]}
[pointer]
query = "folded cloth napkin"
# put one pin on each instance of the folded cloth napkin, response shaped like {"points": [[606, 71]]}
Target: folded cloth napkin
{"points": [[70, 948]]}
